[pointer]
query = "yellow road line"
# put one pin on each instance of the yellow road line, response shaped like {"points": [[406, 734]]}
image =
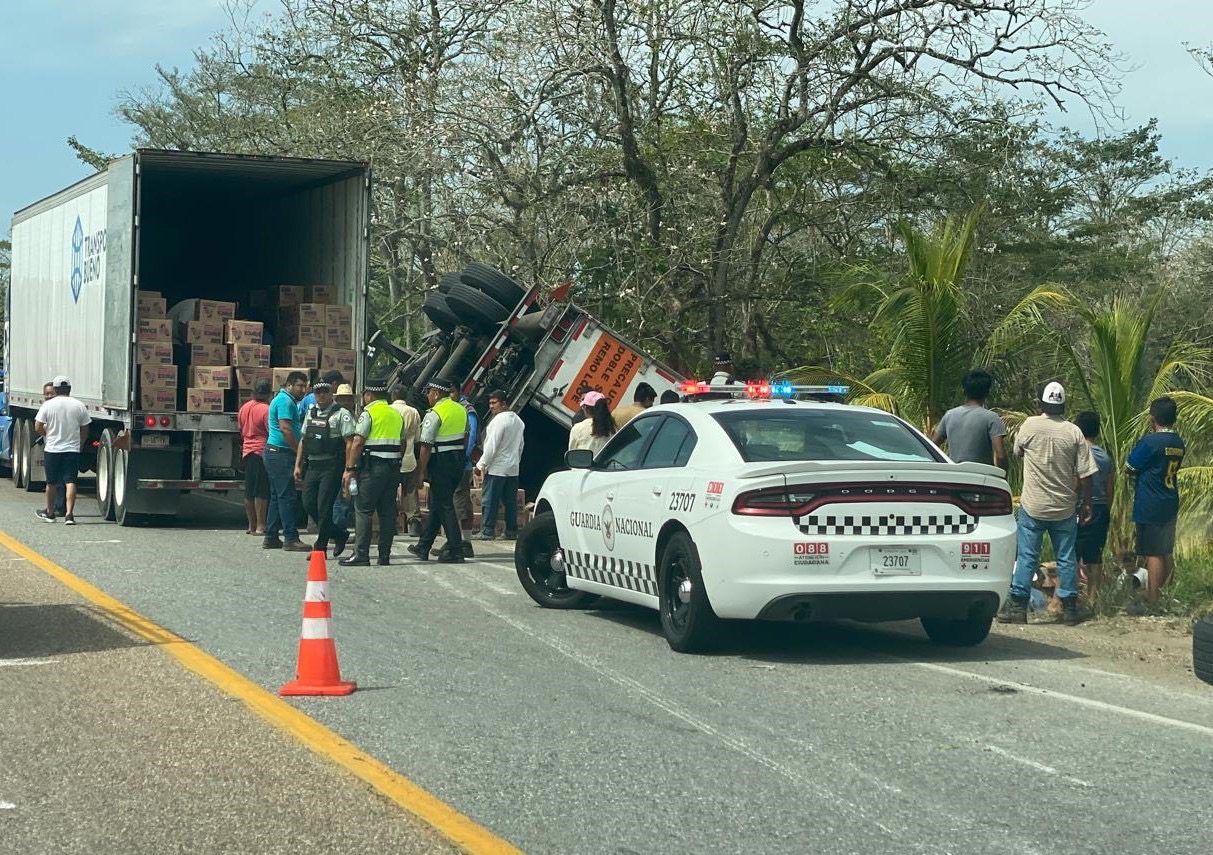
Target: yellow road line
{"points": [[459, 829]]}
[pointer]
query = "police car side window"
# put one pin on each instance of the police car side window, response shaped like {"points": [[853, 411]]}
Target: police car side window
{"points": [[668, 445], [626, 448]]}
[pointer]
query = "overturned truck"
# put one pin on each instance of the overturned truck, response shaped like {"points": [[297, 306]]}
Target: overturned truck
{"points": [[492, 333]]}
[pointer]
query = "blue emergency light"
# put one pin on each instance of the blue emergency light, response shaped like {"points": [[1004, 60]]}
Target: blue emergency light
{"points": [[759, 390]]}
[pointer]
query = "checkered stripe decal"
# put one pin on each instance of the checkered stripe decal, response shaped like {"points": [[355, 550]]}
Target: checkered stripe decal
{"points": [[609, 570], [889, 524]]}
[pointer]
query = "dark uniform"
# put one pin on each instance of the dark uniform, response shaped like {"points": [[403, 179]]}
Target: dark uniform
{"points": [[324, 437], [444, 428], [378, 478]]}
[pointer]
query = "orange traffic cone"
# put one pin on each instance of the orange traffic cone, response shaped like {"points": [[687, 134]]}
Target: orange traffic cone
{"points": [[317, 672]]}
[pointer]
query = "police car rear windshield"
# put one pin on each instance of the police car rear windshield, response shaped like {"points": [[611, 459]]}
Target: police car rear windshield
{"points": [[822, 434]]}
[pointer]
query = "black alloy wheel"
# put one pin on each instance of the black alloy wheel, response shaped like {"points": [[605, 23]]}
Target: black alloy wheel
{"points": [[535, 560]]}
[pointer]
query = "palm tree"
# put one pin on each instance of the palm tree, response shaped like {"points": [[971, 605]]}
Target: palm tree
{"points": [[925, 314], [1109, 362]]}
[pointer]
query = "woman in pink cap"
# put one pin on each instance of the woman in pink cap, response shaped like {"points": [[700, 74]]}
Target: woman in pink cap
{"points": [[598, 426]]}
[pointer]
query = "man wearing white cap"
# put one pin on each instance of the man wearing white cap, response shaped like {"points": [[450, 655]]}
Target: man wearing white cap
{"points": [[1056, 457], [64, 422]]}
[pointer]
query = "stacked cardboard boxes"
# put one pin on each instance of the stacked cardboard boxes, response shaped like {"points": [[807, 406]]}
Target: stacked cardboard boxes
{"points": [[313, 333], [154, 353]]}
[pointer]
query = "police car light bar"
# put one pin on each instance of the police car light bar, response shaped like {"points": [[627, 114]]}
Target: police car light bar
{"points": [[760, 390]]}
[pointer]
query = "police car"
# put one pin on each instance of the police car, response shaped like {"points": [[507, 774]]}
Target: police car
{"points": [[753, 503]]}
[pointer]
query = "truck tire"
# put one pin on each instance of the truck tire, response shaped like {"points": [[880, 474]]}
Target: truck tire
{"points": [[123, 489], [18, 452], [29, 452], [533, 551], [1202, 649], [105, 475], [476, 309], [496, 284], [446, 280], [436, 309]]}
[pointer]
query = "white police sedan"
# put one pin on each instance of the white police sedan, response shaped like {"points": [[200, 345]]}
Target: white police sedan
{"points": [[771, 508]]}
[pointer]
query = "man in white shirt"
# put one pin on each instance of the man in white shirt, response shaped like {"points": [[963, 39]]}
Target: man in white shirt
{"points": [[409, 502], [503, 441], [64, 422]]}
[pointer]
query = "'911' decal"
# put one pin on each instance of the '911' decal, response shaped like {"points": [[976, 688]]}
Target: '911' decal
{"points": [[680, 501]]}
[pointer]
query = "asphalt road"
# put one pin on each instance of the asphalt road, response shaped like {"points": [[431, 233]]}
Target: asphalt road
{"points": [[570, 732]]}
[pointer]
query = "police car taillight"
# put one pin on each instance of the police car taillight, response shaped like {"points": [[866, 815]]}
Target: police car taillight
{"points": [[773, 502], [985, 503]]}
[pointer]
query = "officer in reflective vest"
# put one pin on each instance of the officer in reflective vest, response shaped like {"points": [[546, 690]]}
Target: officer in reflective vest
{"points": [[441, 462], [374, 459]]}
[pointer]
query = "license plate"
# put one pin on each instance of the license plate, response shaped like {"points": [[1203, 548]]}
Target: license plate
{"points": [[154, 440], [895, 561]]}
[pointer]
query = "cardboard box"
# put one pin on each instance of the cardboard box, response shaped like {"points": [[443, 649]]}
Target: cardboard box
{"points": [[204, 332], [310, 335], [203, 400], [210, 377], [245, 332], [339, 316], [214, 310], [279, 375], [247, 377], [313, 313], [208, 354], [322, 293], [299, 355], [157, 376], [289, 295], [250, 355], [157, 399], [154, 329], [337, 337], [156, 307], [339, 359], [154, 353]]}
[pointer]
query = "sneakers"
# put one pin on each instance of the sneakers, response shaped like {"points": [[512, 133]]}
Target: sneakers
{"points": [[1014, 610], [480, 535], [44, 516], [1074, 612], [69, 519]]}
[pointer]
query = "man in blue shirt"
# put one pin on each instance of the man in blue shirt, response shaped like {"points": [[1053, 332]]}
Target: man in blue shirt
{"points": [[1093, 534], [1155, 462], [285, 430]]}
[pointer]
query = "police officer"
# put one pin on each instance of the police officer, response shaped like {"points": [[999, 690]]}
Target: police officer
{"points": [[374, 460], [441, 462], [327, 429]]}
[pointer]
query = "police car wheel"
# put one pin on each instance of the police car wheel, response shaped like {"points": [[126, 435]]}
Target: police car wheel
{"points": [[496, 284], [687, 619], [1202, 649], [957, 633], [537, 563]]}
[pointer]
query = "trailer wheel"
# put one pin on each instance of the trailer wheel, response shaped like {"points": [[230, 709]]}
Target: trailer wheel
{"points": [[446, 280], [436, 309], [496, 284], [18, 451], [105, 475], [124, 489], [28, 453], [476, 309]]}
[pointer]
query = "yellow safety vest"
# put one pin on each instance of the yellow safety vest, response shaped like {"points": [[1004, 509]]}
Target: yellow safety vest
{"points": [[386, 428], [452, 425]]}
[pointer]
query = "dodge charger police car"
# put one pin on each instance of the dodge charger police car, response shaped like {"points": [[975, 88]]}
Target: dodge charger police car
{"points": [[756, 505]]}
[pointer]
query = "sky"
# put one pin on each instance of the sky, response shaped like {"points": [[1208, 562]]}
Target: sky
{"points": [[64, 63]]}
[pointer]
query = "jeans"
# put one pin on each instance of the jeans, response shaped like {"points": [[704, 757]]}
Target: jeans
{"points": [[499, 489], [1030, 536], [280, 466]]}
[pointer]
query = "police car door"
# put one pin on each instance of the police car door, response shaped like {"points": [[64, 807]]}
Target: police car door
{"points": [[599, 504]]}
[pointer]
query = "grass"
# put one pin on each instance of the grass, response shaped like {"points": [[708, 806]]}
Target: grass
{"points": [[1189, 594]]}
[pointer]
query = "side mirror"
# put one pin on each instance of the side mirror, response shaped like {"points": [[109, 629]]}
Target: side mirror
{"points": [[579, 458]]}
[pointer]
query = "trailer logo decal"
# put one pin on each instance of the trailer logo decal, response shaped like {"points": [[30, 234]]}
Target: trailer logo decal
{"points": [[88, 258]]}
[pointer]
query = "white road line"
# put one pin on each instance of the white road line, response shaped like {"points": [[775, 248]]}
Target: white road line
{"points": [[1039, 767], [7, 805], [1073, 699], [17, 663], [667, 706], [99, 541]]}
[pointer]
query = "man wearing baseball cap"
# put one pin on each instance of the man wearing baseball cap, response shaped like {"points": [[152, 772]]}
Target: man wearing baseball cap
{"points": [[373, 457], [1056, 457], [64, 422]]}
